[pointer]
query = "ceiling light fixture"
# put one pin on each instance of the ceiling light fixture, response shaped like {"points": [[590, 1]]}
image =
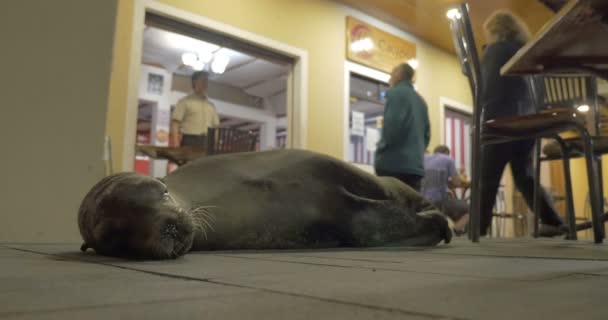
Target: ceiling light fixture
{"points": [[189, 58], [219, 64], [205, 56], [453, 14], [198, 65]]}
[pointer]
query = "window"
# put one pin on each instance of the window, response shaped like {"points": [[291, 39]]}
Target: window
{"points": [[365, 118]]}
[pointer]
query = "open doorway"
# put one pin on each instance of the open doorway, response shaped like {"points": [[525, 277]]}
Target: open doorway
{"points": [[169, 18], [457, 136], [247, 86]]}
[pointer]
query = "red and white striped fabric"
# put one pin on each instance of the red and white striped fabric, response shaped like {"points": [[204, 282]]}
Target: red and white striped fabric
{"points": [[458, 138]]}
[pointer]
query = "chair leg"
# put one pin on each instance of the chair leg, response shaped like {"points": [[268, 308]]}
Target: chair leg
{"points": [[570, 216], [600, 176], [537, 186], [594, 189], [475, 199]]}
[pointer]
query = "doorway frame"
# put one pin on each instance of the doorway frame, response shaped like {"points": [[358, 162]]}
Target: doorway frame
{"points": [[447, 103], [351, 67], [297, 81]]}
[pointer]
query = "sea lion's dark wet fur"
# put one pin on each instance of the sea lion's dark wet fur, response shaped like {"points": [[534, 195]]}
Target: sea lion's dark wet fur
{"points": [[264, 200]]}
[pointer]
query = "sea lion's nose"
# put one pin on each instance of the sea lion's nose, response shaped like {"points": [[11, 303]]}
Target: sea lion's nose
{"points": [[170, 230]]}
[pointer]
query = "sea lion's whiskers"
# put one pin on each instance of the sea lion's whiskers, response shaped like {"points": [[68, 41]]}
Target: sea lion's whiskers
{"points": [[206, 214], [202, 218], [207, 218], [204, 210]]}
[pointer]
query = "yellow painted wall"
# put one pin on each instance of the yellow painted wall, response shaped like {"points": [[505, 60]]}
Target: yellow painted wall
{"points": [[317, 26], [117, 100], [438, 76], [56, 58], [580, 188]]}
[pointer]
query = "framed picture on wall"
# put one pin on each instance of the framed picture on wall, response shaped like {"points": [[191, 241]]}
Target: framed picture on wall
{"points": [[155, 83]]}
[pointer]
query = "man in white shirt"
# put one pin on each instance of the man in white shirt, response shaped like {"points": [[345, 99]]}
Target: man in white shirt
{"points": [[194, 114]]}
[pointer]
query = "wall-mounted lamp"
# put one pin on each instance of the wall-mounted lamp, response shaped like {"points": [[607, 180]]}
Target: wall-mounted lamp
{"points": [[413, 63], [364, 44], [583, 108]]}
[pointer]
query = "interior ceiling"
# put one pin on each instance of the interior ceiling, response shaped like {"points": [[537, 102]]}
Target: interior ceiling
{"points": [[427, 20], [255, 76]]}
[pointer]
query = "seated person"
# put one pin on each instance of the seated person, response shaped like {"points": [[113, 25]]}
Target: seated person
{"points": [[438, 193]]}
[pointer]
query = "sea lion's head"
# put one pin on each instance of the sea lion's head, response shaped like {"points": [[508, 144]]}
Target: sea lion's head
{"points": [[132, 215]]}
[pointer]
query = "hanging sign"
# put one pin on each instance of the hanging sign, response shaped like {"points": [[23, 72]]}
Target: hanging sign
{"points": [[370, 46]]}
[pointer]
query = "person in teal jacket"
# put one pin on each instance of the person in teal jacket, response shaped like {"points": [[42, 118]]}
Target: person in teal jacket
{"points": [[406, 131]]}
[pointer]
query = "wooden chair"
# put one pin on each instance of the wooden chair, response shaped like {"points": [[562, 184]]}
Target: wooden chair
{"points": [[596, 121], [572, 91], [540, 125], [228, 140], [554, 5]]}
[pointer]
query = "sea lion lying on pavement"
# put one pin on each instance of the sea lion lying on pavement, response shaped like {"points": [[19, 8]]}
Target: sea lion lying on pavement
{"points": [[261, 200]]}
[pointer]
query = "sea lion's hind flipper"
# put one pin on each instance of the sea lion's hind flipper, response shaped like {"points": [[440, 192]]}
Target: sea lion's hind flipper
{"points": [[377, 222], [356, 199], [381, 222], [432, 228]]}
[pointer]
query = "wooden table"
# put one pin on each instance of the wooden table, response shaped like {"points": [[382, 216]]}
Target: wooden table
{"points": [[554, 5], [575, 40], [177, 155]]}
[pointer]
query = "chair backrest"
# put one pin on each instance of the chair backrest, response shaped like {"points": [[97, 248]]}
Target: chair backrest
{"points": [[568, 91], [464, 42], [433, 181], [228, 140], [554, 91], [466, 49]]}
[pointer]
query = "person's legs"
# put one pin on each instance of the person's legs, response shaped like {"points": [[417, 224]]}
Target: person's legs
{"points": [[458, 211], [521, 166], [414, 181], [190, 140], [495, 157], [455, 208]]}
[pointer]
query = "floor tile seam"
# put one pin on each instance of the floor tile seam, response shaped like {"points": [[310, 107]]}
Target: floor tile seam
{"points": [[342, 302], [279, 292], [392, 270], [518, 257], [119, 304]]}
